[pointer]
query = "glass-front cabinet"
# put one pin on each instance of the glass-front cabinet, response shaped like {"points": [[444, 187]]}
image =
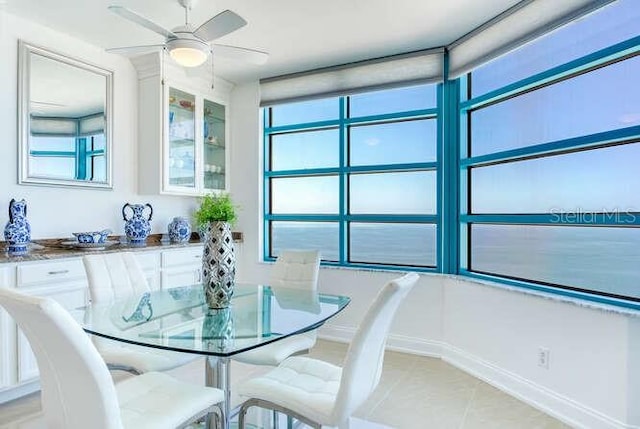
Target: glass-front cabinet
{"points": [[214, 145], [183, 129], [182, 139], [196, 156]]}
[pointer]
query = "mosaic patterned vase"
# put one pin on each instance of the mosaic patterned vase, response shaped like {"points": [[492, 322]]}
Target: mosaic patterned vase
{"points": [[137, 225], [17, 232], [218, 265], [217, 329], [179, 230]]}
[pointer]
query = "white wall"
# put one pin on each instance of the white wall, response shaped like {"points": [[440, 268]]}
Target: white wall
{"points": [[57, 211], [496, 332], [493, 332]]}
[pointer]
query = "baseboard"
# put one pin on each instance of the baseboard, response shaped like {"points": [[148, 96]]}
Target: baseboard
{"points": [[398, 343], [564, 409], [339, 334], [18, 391]]}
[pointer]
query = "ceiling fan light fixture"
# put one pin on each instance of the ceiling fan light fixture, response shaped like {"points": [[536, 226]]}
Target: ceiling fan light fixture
{"points": [[188, 52]]}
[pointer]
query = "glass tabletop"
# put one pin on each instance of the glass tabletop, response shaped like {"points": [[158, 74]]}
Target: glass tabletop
{"points": [[179, 319]]}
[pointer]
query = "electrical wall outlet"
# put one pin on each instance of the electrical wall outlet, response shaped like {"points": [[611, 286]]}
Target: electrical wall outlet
{"points": [[543, 357]]}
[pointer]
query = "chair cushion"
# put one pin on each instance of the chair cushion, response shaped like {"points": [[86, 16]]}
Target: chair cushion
{"points": [[143, 359], [156, 401], [274, 353], [301, 384]]}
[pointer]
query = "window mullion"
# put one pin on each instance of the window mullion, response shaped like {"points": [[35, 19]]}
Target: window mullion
{"points": [[448, 187], [344, 182]]}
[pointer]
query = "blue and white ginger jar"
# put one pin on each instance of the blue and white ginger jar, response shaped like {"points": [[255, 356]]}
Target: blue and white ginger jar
{"points": [[179, 230], [17, 232], [137, 225]]}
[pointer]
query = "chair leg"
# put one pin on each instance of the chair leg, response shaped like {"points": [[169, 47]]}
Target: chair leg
{"points": [[253, 402], [213, 419], [210, 417], [126, 368], [242, 413]]}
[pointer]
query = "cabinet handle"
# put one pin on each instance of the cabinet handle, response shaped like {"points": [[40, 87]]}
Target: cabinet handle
{"points": [[53, 273], [198, 256]]}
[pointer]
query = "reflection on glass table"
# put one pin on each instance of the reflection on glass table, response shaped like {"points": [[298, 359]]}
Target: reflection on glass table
{"points": [[180, 320]]}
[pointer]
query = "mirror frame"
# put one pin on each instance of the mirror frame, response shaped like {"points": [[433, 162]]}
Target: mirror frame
{"points": [[25, 50]]}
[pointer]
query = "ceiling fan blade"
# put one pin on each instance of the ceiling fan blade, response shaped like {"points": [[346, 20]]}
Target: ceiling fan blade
{"points": [[221, 24], [135, 49], [141, 20], [241, 54]]}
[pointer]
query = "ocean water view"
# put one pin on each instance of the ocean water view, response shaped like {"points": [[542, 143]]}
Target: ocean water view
{"points": [[404, 244], [603, 259]]}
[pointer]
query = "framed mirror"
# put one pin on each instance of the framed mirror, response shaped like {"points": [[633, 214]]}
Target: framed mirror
{"points": [[64, 120]]}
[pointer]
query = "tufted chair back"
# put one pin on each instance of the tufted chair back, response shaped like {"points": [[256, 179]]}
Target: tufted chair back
{"points": [[77, 390], [296, 269], [363, 363], [114, 275]]}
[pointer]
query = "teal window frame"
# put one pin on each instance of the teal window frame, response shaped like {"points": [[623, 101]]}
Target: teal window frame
{"points": [[624, 135], [343, 170], [453, 166]]}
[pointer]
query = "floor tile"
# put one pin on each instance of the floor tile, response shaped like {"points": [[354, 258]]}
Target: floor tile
{"points": [[414, 392]]}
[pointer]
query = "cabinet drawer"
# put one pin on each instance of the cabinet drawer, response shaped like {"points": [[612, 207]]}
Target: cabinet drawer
{"points": [[50, 271], [149, 261], [182, 257]]}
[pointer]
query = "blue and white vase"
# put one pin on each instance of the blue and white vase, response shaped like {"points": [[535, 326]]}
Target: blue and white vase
{"points": [[17, 232], [137, 225], [179, 230]]}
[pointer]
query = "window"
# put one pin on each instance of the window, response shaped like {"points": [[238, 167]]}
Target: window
{"points": [[550, 162], [603, 28], [68, 148], [522, 172], [355, 177]]}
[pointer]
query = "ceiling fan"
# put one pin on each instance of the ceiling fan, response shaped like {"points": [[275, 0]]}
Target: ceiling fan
{"points": [[190, 46]]}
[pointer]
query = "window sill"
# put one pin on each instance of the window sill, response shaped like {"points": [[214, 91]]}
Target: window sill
{"points": [[594, 302]]}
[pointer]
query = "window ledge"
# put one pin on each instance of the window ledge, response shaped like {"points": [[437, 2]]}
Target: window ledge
{"points": [[557, 297]]}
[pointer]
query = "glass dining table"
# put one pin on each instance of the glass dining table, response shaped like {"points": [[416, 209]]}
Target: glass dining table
{"points": [[179, 319]]}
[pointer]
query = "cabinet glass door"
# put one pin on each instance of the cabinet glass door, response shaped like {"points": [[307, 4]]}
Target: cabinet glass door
{"points": [[182, 146], [214, 141]]}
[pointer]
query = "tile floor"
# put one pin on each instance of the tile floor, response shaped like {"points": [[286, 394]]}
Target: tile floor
{"points": [[414, 392]]}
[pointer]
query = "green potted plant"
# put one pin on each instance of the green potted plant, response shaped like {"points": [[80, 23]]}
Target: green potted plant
{"points": [[215, 208], [214, 217]]}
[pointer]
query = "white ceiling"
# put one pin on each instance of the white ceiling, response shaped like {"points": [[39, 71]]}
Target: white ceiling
{"points": [[298, 34]]}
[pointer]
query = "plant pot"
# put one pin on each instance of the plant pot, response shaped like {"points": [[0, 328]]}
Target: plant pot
{"points": [[218, 265]]}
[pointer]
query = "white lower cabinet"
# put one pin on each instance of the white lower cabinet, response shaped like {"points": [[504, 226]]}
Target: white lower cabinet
{"points": [[7, 333], [150, 264], [27, 364], [65, 281], [181, 267]]}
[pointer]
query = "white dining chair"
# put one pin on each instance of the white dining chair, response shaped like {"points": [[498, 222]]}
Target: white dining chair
{"points": [[117, 275], [321, 394], [294, 269], [77, 389]]}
